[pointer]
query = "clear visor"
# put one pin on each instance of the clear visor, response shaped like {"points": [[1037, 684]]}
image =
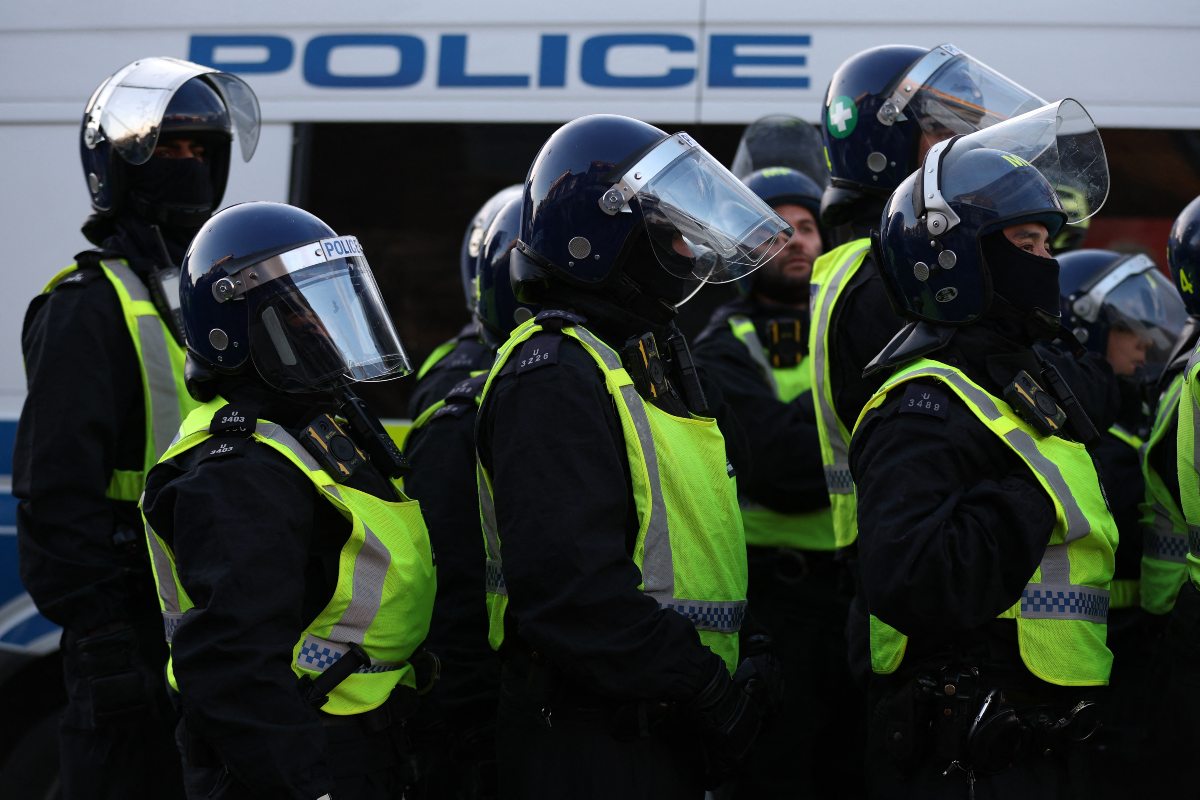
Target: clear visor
{"points": [[948, 92], [128, 108], [1143, 309], [320, 320], [1062, 142], [703, 222]]}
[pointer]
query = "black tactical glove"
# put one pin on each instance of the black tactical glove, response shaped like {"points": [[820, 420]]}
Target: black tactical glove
{"points": [[731, 711]]}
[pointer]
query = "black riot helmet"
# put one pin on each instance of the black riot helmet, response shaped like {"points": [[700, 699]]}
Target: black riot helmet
{"points": [[778, 186], [497, 308], [472, 244], [930, 245], [1118, 304], [882, 104], [1183, 256], [779, 140], [617, 207], [147, 103], [271, 285]]}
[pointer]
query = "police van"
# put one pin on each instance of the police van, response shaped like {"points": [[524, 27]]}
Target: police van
{"points": [[395, 121]]}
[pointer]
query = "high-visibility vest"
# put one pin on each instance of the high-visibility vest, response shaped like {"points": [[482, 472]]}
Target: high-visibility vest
{"points": [[160, 361], [385, 588], [1125, 592], [1062, 615], [690, 547], [765, 527], [831, 274], [1187, 461], [1164, 531]]}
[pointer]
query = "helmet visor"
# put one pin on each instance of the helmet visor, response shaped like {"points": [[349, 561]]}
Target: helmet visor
{"points": [[703, 222], [1062, 142], [948, 92], [1141, 305], [128, 108], [320, 320]]}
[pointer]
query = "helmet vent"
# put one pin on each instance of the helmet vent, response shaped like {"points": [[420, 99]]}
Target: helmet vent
{"points": [[579, 247]]}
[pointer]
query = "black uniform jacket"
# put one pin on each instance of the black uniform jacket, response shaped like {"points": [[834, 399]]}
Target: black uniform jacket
{"points": [[951, 522], [551, 440], [82, 557], [256, 548], [469, 355], [785, 472]]}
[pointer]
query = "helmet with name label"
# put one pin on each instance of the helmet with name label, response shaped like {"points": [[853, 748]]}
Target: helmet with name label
{"points": [[617, 207], [272, 285], [149, 102], [472, 244], [1121, 306], [1183, 256], [882, 104]]}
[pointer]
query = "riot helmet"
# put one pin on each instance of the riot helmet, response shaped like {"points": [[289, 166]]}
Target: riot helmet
{"points": [[1183, 256], [779, 140], [784, 278], [884, 105], [145, 105], [472, 244], [931, 245], [1121, 306], [497, 307], [617, 207], [272, 285]]}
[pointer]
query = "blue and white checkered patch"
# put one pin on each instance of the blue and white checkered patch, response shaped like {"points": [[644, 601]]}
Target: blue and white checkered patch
{"points": [[1194, 540], [839, 481], [318, 655], [1079, 602], [720, 617], [494, 577], [171, 622], [1165, 547]]}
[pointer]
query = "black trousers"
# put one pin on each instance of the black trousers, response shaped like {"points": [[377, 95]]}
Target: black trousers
{"points": [[1174, 706], [116, 733], [575, 755]]}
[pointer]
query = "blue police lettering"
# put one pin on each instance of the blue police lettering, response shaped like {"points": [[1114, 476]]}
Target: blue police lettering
{"points": [[727, 56]]}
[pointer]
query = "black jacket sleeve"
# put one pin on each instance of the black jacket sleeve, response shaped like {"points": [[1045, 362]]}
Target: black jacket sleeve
{"points": [[551, 441], [242, 527], [785, 471], [952, 524], [83, 417]]}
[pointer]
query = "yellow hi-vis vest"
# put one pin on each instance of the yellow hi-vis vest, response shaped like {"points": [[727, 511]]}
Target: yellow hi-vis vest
{"points": [[1164, 531], [1187, 460], [160, 361], [810, 530], [690, 547], [830, 275], [1125, 592], [1062, 616], [385, 587]]}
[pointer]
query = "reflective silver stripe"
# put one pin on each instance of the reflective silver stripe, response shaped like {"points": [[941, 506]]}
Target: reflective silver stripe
{"points": [[1064, 601], [494, 574], [167, 591], [1161, 541], [749, 337], [658, 571], [160, 374], [370, 565], [837, 474], [1056, 565], [318, 655]]}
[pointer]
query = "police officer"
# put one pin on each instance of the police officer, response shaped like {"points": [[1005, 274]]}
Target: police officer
{"points": [[455, 359], [295, 579], [883, 109], [985, 543], [755, 348], [616, 559], [1121, 307], [455, 729], [105, 380], [1173, 723]]}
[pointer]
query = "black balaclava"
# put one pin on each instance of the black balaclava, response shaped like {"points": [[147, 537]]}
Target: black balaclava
{"points": [[1025, 287], [174, 193]]}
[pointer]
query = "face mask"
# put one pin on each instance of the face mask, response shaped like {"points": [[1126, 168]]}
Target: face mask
{"points": [[182, 183], [1028, 283]]}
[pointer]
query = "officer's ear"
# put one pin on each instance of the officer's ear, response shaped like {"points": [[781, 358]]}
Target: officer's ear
{"points": [[199, 379]]}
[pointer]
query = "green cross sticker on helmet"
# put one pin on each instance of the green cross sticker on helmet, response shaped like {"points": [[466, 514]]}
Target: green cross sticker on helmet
{"points": [[842, 117]]}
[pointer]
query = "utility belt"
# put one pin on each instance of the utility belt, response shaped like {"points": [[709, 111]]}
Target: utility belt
{"points": [[959, 719], [557, 702]]}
